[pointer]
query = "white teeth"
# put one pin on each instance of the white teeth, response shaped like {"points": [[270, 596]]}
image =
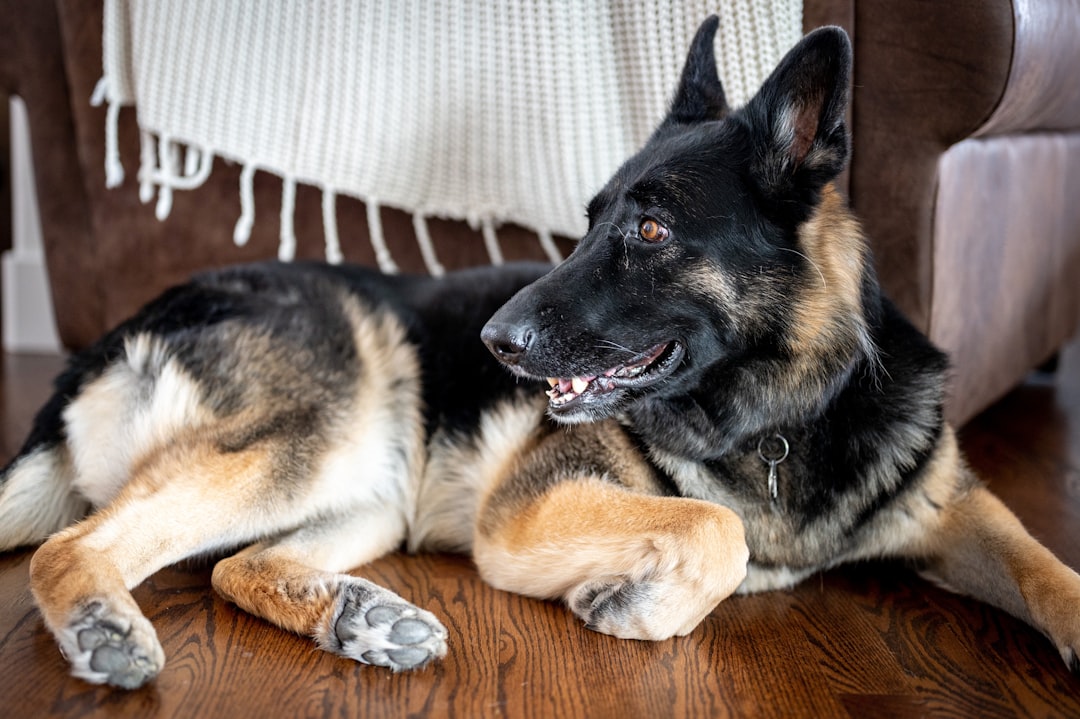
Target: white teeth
{"points": [[632, 372], [552, 381], [579, 385]]}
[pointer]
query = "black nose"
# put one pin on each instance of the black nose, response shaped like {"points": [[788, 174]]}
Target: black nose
{"points": [[508, 342]]}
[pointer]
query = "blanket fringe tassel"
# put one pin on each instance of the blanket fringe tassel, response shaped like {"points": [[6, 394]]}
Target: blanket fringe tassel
{"points": [[166, 165]]}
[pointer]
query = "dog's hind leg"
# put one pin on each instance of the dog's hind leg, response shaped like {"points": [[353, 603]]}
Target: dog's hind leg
{"points": [[296, 582], [981, 549], [188, 499], [968, 541]]}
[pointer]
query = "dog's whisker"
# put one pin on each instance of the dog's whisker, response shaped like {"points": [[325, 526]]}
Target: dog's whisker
{"points": [[611, 224], [824, 284], [608, 344]]}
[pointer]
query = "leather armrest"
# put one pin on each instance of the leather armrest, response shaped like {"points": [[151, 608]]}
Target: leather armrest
{"points": [[1043, 89], [927, 75]]}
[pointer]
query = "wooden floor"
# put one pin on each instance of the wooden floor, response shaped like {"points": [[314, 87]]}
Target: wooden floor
{"points": [[864, 642]]}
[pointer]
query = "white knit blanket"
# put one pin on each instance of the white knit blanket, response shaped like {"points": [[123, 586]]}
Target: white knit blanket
{"points": [[478, 110]]}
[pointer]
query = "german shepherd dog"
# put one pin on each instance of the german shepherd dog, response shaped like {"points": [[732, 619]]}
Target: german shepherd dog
{"points": [[731, 405]]}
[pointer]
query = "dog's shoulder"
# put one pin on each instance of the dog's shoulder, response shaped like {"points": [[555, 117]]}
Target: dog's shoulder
{"points": [[806, 489]]}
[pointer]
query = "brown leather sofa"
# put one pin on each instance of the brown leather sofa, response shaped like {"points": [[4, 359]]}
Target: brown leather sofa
{"points": [[965, 169]]}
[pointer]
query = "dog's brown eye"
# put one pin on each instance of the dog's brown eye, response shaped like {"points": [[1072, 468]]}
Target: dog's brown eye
{"points": [[652, 231]]}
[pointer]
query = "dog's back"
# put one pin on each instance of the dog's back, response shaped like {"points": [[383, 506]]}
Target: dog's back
{"points": [[277, 344]]}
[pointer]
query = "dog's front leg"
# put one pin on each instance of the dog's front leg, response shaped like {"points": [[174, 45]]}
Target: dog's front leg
{"points": [[981, 549], [297, 582], [580, 519]]}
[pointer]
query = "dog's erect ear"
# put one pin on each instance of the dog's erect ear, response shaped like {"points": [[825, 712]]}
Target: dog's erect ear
{"points": [[798, 114], [700, 95]]}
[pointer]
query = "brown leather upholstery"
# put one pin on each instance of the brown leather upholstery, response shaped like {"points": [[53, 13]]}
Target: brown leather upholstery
{"points": [[1007, 221], [976, 239], [976, 242], [32, 65], [1043, 91], [1006, 277], [927, 75]]}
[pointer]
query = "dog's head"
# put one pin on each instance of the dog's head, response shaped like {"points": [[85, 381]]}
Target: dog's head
{"points": [[720, 246]]}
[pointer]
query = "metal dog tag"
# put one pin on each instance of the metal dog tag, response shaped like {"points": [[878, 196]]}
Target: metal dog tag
{"points": [[773, 461]]}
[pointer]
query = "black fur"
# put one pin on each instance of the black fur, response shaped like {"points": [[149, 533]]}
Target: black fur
{"points": [[295, 303], [734, 189]]}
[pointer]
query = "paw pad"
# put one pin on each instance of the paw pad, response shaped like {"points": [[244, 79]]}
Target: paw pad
{"points": [[377, 627], [112, 656]]}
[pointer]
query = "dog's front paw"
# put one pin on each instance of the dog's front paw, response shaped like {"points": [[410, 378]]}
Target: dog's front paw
{"points": [[672, 590], [375, 626], [619, 607], [640, 609], [1068, 644], [107, 647]]}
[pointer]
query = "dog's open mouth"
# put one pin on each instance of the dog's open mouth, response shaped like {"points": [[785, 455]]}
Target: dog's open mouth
{"points": [[644, 369]]}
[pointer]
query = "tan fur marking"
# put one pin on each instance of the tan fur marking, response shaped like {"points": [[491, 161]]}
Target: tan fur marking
{"points": [[836, 251], [460, 474], [62, 574], [147, 527], [554, 458], [376, 451], [292, 581], [588, 530], [388, 360], [710, 281], [591, 509], [277, 588]]}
